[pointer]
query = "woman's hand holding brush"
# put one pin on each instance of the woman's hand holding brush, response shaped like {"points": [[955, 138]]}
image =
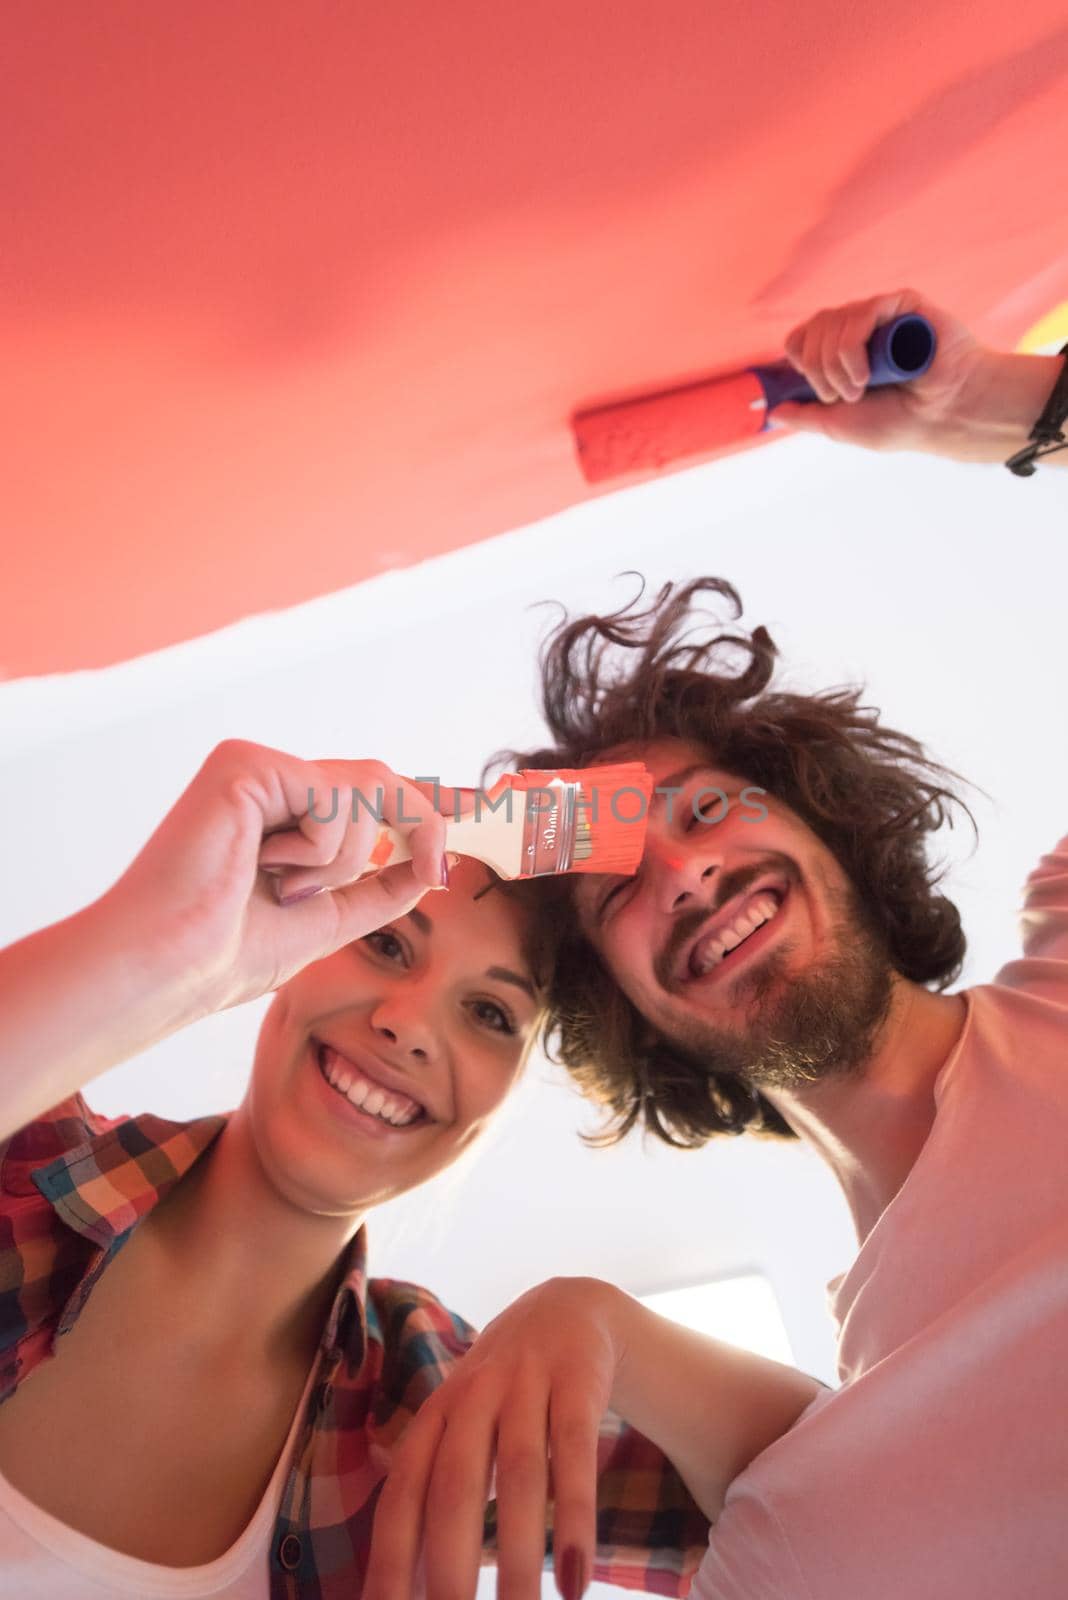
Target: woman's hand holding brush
{"points": [[194, 925], [256, 871]]}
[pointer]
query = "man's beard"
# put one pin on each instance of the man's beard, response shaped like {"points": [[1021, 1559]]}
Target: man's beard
{"points": [[797, 1029]]}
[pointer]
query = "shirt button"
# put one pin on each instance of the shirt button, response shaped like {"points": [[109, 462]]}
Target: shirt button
{"points": [[289, 1552]]}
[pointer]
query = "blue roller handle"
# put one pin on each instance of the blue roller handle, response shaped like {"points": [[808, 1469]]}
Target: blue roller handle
{"points": [[898, 351]]}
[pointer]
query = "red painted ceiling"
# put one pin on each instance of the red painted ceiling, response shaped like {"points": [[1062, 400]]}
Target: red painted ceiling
{"points": [[296, 293]]}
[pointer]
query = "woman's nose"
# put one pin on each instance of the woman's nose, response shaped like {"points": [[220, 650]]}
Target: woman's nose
{"points": [[405, 1028]]}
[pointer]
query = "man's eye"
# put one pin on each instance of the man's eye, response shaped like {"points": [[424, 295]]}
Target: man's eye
{"points": [[709, 809], [386, 944], [493, 1016]]}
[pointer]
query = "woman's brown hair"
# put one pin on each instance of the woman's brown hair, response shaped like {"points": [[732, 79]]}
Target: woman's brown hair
{"points": [[871, 794]]}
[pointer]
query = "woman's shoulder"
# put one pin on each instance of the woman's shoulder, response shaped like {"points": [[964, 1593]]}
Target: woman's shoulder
{"points": [[65, 1127], [400, 1310], [420, 1339]]}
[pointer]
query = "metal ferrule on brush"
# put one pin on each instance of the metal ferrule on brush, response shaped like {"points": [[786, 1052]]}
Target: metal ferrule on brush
{"points": [[552, 835]]}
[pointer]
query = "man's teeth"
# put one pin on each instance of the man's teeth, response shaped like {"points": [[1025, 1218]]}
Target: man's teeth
{"points": [[387, 1106], [754, 916]]}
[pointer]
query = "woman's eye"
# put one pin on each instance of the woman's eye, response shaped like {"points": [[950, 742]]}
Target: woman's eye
{"points": [[386, 944], [615, 898], [493, 1016]]}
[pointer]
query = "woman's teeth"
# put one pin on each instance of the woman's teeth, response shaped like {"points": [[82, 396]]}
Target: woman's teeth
{"points": [[370, 1098], [707, 955]]}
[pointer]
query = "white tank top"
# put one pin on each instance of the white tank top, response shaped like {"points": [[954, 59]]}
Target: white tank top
{"points": [[42, 1559]]}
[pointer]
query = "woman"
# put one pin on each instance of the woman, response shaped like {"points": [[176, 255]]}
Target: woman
{"points": [[216, 1386]]}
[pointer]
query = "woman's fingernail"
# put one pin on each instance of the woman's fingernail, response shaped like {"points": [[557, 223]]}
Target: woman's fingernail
{"points": [[572, 1576], [301, 894]]}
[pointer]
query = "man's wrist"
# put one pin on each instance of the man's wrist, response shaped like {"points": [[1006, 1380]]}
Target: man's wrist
{"points": [[621, 1316], [1001, 404], [644, 1344]]}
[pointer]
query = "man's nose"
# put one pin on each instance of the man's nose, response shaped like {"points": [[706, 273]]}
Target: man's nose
{"points": [[679, 879]]}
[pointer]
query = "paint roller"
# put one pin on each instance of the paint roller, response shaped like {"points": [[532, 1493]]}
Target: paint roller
{"points": [[657, 430]]}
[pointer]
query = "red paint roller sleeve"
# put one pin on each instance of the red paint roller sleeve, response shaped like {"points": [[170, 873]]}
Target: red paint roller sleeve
{"points": [[651, 432]]}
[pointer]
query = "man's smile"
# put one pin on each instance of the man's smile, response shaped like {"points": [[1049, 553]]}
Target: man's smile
{"points": [[735, 925]]}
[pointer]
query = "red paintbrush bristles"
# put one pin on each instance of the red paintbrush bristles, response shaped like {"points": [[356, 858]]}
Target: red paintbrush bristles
{"points": [[612, 814]]}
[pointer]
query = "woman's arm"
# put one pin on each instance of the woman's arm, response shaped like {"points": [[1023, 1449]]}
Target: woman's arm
{"points": [[75, 999], [194, 925]]}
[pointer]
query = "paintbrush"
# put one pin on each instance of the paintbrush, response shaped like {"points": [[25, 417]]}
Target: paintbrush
{"points": [[534, 823]]}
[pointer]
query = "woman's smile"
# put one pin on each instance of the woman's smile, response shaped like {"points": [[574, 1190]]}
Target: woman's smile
{"points": [[368, 1091]]}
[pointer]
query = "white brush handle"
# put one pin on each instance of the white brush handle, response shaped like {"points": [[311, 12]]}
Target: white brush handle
{"points": [[493, 838]]}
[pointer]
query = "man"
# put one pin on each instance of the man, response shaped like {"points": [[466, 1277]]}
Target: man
{"points": [[778, 965]]}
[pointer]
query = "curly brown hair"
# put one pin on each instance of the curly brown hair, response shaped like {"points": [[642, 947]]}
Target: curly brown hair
{"points": [[869, 793]]}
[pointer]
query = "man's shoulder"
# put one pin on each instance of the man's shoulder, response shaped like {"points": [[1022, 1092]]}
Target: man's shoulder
{"points": [[1044, 915]]}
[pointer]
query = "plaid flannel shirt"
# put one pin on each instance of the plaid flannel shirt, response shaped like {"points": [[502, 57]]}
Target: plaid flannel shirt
{"points": [[74, 1185]]}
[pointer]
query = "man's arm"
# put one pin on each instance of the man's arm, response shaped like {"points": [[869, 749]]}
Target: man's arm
{"points": [[536, 1388], [710, 1406], [973, 404]]}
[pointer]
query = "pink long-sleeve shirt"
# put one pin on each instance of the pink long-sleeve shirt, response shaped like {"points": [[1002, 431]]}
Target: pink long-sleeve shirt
{"points": [[939, 1470]]}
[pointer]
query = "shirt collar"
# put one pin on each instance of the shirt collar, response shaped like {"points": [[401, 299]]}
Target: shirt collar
{"points": [[106, 1185], [103, 1187], [345, 1333]]}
